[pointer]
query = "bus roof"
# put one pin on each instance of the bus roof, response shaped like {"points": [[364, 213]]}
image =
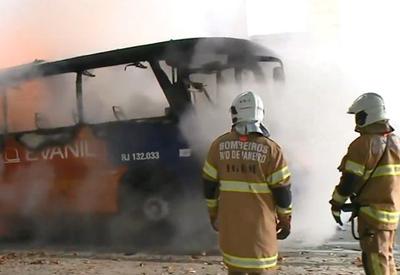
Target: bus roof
{"points": [[177, 52]]}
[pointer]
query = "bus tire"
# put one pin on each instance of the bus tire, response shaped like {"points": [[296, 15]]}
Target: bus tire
{"points": [[147, 200]]}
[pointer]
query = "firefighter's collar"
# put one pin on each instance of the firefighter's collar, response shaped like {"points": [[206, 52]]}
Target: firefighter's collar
{"points": [[380, 127], [244, 128]]}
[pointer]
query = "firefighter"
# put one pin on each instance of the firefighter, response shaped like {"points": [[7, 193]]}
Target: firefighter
{"points": [[371, 178], [247, 189]]}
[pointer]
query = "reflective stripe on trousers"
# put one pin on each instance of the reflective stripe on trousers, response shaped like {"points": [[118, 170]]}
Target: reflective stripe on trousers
{"points": [[250, 263], [383, 216]]}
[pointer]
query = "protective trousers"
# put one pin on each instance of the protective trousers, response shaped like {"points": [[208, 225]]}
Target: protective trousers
{"points": [[266, 272], [377, 249]]}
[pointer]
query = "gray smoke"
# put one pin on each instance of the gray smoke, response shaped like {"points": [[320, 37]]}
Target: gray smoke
{"points": [[306, 116]]}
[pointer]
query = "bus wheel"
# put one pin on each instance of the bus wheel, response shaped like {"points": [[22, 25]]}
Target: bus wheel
{"points": [[147, 200], [156, 208]]}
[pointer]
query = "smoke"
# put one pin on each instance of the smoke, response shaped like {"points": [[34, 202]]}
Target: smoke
{"points": [[308, 119], [131, 89], [306, 116], [326, 69], [324, 78], [27, 197], [41, 103]]}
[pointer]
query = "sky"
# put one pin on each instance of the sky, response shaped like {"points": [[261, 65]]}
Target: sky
{"points": [[46, 29], [55, 29]]}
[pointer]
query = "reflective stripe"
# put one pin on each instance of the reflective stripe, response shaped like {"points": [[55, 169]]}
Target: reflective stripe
{"points": [[210, 170], [257, 263], [211, 203], [355, 168], [242, 186], [387, 170], [278, 176], [383, 170], [284, 211], [381, 215], [376, 267], [338, 198]]}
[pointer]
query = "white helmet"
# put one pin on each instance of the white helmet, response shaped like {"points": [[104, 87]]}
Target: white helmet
{"points": [[247, 107], [368, 108]]}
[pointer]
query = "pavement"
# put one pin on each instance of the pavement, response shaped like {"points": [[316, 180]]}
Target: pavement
{"points": [[340, 255]]}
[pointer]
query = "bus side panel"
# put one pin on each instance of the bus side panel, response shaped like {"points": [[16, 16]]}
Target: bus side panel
{"points": [[76, 177], [154, 146]]}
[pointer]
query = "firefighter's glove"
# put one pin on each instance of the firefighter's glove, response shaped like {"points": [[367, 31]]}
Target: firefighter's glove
{"points": [[336, 210], [283, 226]]}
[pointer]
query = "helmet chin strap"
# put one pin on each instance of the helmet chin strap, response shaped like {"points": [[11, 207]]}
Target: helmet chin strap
{"points": [[245, 128]]}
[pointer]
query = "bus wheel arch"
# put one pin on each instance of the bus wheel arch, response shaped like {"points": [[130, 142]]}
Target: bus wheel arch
{"points": [[150, 190]]}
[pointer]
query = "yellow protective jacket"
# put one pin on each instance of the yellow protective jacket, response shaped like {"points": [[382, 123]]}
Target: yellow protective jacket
{"points": [[245, 171], [371, 169]]}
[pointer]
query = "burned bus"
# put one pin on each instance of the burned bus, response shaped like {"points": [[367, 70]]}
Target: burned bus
{"points": [[98, 136]]}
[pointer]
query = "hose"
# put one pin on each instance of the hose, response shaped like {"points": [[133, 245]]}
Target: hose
{"points": [[353, 231]]}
